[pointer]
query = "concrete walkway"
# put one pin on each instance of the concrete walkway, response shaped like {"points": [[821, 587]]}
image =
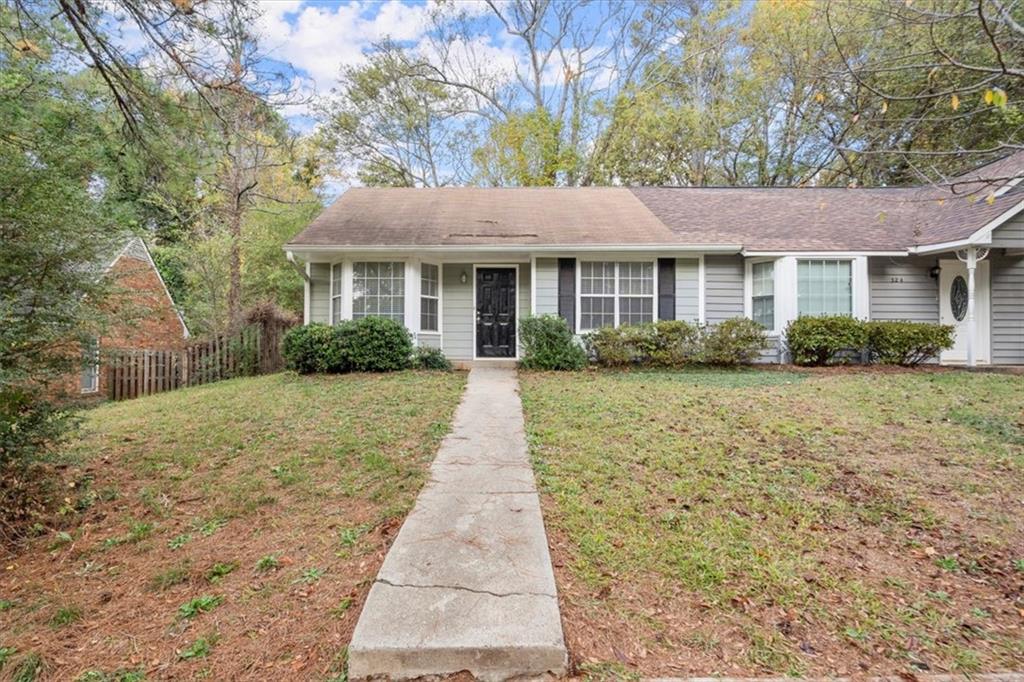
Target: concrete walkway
{"points": [[468, 583]]}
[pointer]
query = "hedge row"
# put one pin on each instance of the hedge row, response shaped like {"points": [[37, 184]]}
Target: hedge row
{"points": [[549, 344], [370, 344], [838, 338]]}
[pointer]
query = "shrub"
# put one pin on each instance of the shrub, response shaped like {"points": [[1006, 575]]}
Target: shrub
{"points": [[675, 343], [907, 343], [549, 344], [818, 340], [376, 344], [609, 347], [430, 358], [314, 348], [734, 341]]}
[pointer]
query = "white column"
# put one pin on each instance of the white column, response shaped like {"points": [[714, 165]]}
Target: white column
{"points": [[412, 298], [972, 323], [346, 290]]}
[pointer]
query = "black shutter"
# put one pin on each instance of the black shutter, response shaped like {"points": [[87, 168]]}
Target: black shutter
{"points": [[567, 291], [666, 288]]}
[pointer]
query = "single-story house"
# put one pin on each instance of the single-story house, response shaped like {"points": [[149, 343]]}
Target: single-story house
{"points": [[460, 266], [141, 315]]}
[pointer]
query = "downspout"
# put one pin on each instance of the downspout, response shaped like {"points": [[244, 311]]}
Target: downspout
{"points": [[295, 264]]}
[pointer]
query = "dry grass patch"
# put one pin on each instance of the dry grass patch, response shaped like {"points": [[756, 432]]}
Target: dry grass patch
{"points": [[767, 522], [227, 531]]}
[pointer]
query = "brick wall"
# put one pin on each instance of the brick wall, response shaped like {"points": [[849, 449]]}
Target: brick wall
{"points": [[140, 313]]}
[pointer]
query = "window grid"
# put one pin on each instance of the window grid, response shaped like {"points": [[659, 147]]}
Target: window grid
{"points": [[336, 293], [378, 290], [824, 287], [429, 297], [763, 294], [615, 293]]}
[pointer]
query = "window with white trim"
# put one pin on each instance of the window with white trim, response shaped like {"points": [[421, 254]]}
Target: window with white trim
{"points": [[429, 297], [615, 293], [378, 290], [90, 382], [762, 294], [824, 287], [336, 293]]}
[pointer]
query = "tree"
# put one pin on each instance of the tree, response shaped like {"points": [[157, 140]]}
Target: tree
{"points": [[939, 82], [388, 125]]}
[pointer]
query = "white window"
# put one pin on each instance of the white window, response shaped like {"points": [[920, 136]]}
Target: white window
{"points": [[762, 294], [336, 293], [90, 366], [429, 297], [378, 290], [824, 287], [615, 293]]}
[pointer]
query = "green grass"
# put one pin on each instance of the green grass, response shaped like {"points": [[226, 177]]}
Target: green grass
{"points": [[734, 496], [242, 484]]}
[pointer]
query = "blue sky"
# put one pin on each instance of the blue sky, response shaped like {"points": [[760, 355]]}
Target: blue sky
{"points": [[317, 38]]}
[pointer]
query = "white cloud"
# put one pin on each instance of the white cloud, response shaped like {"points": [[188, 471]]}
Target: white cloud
{"points": [[321, 39]]}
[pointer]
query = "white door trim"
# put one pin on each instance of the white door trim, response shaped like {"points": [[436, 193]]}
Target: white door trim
{"points": [[948, 270]]}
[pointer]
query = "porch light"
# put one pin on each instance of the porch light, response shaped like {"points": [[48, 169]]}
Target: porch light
{"points": [[934, 272], [463, 277]]}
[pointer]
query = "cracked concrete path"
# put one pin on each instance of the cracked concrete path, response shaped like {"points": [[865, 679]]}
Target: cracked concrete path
{"points": [[467, 584]]}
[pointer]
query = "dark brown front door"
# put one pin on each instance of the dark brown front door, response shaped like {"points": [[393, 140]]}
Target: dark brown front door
{"points": [[495, 313]]}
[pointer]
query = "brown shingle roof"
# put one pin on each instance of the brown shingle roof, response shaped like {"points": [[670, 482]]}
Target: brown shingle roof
{"points": [[759, 219], [470, 215]]}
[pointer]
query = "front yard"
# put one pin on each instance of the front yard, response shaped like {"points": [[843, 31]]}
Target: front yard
{"points": [[770, 522], [222, 532]]}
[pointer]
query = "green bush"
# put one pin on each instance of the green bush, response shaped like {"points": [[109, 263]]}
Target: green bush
{"points": [[370, 344], [819, 340], [549, 344], [674, 343], [315, 348], [376, 344], [430, 358], [735, 341], [907, 343]]}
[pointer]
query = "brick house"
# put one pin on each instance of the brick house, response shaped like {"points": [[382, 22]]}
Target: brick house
{"points": [[141, 315]]}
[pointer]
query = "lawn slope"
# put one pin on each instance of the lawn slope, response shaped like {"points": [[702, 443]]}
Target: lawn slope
{"points": [[763, 522], [226, 531]]}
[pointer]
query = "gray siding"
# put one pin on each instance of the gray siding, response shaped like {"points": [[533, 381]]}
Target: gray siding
{"points": [[723, 288], [688, 289], [429, 340], [319, 292], [457, 312], [547, 286], [1008, 310], [1010, 235], [903, 289]]}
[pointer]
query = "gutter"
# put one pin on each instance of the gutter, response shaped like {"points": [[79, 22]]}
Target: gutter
{"points": [[534, 248]]}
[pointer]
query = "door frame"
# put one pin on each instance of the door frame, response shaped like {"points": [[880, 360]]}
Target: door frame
{"points": [[983, 314], [495, 266]]}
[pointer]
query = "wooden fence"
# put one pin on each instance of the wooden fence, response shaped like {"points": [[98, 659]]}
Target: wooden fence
{"points": [[256, 349]]}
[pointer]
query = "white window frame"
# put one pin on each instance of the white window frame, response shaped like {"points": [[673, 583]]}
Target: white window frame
{"points": [[406, 297], [853, 277], [748, 290], [93, 369], [340, 295], [419, 312], [653, 262]]}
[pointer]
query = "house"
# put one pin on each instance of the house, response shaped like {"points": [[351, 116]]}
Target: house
{"points": [[460, 266], [140, 315]]}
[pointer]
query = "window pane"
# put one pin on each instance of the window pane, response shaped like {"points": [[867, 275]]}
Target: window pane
{"points": [[597, 311], [428, 314], [634, 310], [336, 279], [378, 289], [824, 287]]}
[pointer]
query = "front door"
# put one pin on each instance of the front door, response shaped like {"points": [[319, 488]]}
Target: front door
{"points": [[495, 312], [953, 308]]}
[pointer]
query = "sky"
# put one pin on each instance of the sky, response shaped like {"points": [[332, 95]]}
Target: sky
{"points": [[315, 39]]}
